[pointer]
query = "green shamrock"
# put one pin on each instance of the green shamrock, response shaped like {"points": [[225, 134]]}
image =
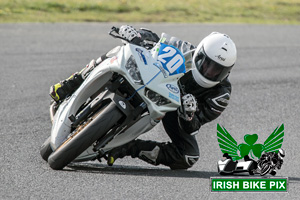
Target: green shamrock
{"points": [[245, 149]]}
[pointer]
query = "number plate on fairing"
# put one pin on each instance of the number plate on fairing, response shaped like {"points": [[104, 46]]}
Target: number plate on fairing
{"points": [[171, 59]]}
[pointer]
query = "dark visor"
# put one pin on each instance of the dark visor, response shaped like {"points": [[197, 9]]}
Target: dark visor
{"points": [[210, 69]]}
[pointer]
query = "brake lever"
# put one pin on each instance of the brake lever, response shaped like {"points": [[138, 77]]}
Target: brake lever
{"points": [[115, 29]]}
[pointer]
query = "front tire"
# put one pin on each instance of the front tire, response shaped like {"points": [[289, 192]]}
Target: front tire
{"points": [[46, 149], [101, 123]]}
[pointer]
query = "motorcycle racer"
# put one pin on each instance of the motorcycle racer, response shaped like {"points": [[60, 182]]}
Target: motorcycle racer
{"points": [[272, 158], [207, 92]]}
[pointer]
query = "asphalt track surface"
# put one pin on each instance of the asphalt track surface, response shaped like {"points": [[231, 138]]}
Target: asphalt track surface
{"points": [[265, 95]]}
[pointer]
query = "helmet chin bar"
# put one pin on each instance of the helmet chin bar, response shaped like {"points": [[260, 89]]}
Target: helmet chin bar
{"points": [[202, 81]]}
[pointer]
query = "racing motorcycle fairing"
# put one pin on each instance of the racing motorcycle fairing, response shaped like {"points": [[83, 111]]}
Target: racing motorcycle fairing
{"points": [[153, 75]]}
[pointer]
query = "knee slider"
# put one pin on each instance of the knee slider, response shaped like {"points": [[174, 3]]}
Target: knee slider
{"points": [[191, 160], [186, 162], [150, 156]]}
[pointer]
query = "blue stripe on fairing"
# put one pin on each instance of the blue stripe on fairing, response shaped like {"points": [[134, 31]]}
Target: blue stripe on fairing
{"points": [[144, 85]]}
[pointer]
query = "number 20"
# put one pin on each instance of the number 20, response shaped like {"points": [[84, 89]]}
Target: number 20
{"points": [[174, 63]]}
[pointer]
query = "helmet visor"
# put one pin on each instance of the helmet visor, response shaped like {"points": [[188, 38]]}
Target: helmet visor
{"points": [[210, 69]]}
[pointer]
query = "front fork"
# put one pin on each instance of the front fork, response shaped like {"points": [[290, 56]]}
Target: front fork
{"points": [[53, 109], [111, 95], [130, 120]]}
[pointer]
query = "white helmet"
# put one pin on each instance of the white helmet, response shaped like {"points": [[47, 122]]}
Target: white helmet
{"points": [[213, 59], [281, 153]]}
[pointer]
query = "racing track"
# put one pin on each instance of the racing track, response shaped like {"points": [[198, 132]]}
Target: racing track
{"points": [[265, 94]]}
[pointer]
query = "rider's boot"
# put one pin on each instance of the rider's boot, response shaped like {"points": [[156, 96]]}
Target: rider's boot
{"points": [[145, 150], [121, 152], [66, 87]]}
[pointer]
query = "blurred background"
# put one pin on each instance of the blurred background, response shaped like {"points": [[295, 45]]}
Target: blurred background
{"points": [[34, 56], [191, 11]]}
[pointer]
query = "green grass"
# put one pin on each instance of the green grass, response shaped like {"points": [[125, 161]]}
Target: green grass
{"points": [[191, 11]]}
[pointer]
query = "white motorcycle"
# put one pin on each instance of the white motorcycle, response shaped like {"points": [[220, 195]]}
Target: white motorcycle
{"points": [[122, 98]]}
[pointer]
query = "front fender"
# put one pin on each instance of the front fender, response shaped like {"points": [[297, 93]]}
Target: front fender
{"points": [[61, 123]]}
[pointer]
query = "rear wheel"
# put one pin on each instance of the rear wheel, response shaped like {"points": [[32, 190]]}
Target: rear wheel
{"points": [[84, 136]]}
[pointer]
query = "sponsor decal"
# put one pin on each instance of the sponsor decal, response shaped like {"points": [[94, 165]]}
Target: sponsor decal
{"points": [[173, 88], [113, 59], [220, 57], [173, 96], [141, 55], [160, 67]]}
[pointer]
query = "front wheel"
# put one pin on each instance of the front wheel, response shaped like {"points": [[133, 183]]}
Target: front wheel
{"points": [[45, 149], [85, 135]]}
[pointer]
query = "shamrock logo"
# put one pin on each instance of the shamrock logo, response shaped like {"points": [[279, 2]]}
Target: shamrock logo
{"points": [[250, 147], [228, 144]]}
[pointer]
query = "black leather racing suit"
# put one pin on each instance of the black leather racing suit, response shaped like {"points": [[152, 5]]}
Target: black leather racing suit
{"points": [[183, 151]]}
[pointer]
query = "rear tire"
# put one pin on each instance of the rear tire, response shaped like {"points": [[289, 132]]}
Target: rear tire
{"points": [[46, 149], [103, 121]]}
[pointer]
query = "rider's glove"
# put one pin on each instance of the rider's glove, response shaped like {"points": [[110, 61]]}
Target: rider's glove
{"points": [[188, 107], [129, 33]]}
